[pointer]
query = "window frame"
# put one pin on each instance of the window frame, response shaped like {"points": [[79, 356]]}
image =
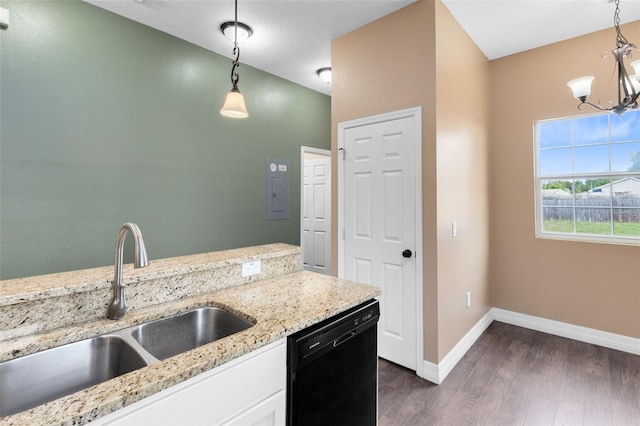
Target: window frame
{"points": [[539, 180]]}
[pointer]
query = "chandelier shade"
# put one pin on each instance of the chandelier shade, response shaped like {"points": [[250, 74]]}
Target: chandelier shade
{"points": [[581, 87]]}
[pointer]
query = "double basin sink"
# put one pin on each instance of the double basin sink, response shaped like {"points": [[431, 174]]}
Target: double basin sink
{"points": [[44, 376]]}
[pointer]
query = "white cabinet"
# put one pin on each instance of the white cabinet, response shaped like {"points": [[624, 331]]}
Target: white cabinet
{"points": [[250, 390], [271, 412]]}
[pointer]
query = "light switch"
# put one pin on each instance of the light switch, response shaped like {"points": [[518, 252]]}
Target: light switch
{"points": [[454, 230]]}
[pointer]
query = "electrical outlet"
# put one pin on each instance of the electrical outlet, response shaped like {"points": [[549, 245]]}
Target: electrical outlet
{"points": [[468, 299], [250, 268]]}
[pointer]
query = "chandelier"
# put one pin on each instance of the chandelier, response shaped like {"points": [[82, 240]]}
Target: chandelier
{"points": [[628, 85], [234, 106]]}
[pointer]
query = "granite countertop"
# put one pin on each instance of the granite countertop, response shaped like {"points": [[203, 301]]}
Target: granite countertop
{"points": [[278, 306]]}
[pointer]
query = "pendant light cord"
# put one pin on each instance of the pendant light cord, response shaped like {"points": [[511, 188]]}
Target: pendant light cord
{"points": [[235, 77]]}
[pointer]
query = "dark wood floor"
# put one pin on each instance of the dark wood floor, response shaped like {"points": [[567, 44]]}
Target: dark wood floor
{"points": [[515, 376]]}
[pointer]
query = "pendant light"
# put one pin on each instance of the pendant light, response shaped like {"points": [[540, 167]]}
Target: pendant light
{"points": [[234, 106], [628, 85]]}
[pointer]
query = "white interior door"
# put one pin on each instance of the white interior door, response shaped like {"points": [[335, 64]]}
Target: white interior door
{"points": [[381, 229], [316, 211]]}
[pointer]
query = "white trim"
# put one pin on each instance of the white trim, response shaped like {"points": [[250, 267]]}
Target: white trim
{"points": [[415, 113], [436, 373], [308, 150], [570, 331]]}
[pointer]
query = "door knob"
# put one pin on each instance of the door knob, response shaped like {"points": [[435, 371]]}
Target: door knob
{"points": [[406, 253]]}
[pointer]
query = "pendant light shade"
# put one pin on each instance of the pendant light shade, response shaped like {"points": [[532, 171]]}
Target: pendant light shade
{"points": [[234, 106]]}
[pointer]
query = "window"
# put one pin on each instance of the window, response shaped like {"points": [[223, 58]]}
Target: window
{"points": [[588, 178]]}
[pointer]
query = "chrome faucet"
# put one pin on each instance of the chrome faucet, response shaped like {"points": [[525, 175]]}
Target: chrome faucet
{"points": [[118, 307]]}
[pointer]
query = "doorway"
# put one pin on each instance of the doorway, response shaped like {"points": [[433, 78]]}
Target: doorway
{"points": [[315, 210], [380, 224]]}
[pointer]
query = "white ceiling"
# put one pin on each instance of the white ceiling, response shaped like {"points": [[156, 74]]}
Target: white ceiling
{"points": [[504, 27], [292, 38]]}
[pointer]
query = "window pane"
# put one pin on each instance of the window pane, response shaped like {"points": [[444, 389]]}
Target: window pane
{"points": [[590, 130], [557, 205], [557, 193], [602, 185], [593, 221], [626, 209], [626, 222], [625, 127], [625, 157], [554, 133], [593, 199], [555, 161], [592, 159], [624, 193], [626, 229], [557, 219]]}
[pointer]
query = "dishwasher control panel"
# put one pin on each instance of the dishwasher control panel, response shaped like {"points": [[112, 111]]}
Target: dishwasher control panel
{"points": [[334, 331]]}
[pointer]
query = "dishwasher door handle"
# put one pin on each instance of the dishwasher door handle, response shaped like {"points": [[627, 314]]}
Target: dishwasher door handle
{"points": [[340, 340]]}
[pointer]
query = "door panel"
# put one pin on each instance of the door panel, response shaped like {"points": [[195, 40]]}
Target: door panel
{"points": [[380, 223], [316, 215]]}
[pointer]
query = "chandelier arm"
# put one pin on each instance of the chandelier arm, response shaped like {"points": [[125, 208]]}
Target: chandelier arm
{"points": [[625, 84], [580, 106]]}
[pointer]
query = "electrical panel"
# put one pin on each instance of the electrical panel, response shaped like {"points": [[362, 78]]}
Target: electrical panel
{"points": [[277, 197]]}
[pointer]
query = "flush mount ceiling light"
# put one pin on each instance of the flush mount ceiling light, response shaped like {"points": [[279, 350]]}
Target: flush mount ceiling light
{"points": [[325, 74], [628, 85], [244, 31], [234, 106]]}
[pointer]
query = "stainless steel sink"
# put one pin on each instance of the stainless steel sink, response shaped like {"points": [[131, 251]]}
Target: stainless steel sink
{"points": [[170, 336], [44, 376], [38, 378]]}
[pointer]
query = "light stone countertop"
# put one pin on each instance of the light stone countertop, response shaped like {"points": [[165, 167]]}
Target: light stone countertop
{"points": [[279, 306], [19, 290]]}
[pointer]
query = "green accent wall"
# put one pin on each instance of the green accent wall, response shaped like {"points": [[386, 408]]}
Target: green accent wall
{"points": [[106, 121]]}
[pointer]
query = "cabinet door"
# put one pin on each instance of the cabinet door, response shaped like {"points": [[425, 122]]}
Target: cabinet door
{"points": [[213, 397], [270, 412]]}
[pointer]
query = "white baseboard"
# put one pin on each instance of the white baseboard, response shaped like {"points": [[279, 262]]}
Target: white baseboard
{"points": [[570, 331], [436, 373]]}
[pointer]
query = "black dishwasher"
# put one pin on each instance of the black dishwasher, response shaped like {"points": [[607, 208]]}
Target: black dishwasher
{"points": [[332, 370]]}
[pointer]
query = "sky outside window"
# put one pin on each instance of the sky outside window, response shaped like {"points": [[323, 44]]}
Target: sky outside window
{"points": [[604, 143]]}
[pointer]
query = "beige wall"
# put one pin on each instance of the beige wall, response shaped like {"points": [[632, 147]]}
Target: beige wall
{"points": [[462, 125], [375, 71], [588, 284]]}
